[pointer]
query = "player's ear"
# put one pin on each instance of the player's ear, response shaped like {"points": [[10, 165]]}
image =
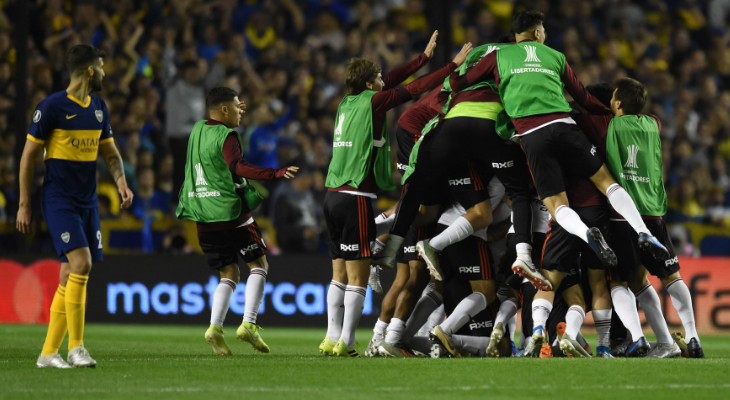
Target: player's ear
{"points": [[90, 70]]}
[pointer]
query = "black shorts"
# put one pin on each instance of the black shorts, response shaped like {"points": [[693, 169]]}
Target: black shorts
{"points": [[556, 150], [563, 251], [407, 252], [405, 141], [350, 224], [630, 257], [468, 259], [223, 248], [455, 290]]}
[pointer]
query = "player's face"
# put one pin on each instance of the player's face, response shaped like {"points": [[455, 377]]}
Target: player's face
{"points": [[615, 104], [98, 76], [236, 109], [377, 84]]}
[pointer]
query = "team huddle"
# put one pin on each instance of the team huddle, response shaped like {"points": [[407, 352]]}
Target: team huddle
{"points": [[512, 197]]}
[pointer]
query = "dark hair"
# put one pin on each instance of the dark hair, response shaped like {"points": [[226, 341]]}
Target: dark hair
{"points": [[81, 56], [219, 95], [602, 91], [359, 72], [527, 21], [632, 95]]}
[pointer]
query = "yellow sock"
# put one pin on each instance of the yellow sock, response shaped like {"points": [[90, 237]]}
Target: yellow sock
{"points": [[76, 309], [57, 323]]}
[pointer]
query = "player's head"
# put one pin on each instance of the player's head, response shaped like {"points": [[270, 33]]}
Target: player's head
{"points": [[363, 74], [224, 106], [629, 97], [602, 91], [528, 25], [86, 62]]}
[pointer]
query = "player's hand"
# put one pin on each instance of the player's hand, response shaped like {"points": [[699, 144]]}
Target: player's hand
{"points": [[22, 222], [290, 172], [431, 45], [461, 56], [126, 195]]}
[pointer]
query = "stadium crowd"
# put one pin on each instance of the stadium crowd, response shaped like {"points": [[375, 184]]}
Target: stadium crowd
{"points": [[287, 58]]}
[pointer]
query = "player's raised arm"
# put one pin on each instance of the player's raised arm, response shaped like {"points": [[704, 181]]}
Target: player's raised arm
{"points": [[116, 168], [31, 152], [431, 46]]}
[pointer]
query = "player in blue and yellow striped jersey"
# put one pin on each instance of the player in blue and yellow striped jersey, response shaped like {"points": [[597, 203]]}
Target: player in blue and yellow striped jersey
{"points": [[70, 127]]}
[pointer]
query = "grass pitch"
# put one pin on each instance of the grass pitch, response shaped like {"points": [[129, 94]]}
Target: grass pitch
{"points": [[144, 361]]}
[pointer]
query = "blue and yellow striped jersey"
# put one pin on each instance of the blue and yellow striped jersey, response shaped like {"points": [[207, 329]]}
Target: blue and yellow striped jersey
{"points": [[70, 131]]}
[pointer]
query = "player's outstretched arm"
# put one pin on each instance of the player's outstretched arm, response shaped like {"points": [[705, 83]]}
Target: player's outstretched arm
{"points": [[31, 152], [114, 163]]}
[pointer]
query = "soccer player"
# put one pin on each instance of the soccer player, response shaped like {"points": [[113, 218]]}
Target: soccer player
{"points": [[634, 156], [411, 273], [71, 126], [531, 78], [360, 167], [466, 133], [211, 195]]}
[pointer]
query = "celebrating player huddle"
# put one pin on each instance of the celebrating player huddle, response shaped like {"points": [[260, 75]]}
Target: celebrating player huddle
{"points": [[580, 235]]}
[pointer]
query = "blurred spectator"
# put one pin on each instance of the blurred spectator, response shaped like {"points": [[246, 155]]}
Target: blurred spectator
{"points": [[185, 105], [296, 215]]}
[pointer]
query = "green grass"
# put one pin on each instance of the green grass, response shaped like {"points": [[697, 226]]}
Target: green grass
{"points": [[144, 361]]}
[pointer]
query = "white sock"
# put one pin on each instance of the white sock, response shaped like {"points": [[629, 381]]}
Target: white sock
{"points": [[624, 205], [379, 329], [540, 312], [602, 320], [476, 345], [221, 301], [574, 320], [429, 301], [524, 251], [650, 303], [392, 246], [254, 294], [395, 330], [512, 323], [436, 318], [456, 232], [335, 310], [571, 222], [354, 299], [507, 310], [383, 223], [682, 301], [468, 307], [624, 304]]}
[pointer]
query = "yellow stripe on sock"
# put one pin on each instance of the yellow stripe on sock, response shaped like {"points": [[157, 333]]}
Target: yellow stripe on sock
{"points": [[56, 324], [76, 309]]}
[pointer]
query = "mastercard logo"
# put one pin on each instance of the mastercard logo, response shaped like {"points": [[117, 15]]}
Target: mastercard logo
{"points": [[26, 292]]}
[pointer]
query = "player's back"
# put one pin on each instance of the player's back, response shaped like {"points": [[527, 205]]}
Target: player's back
{"points": [[71, 131]]}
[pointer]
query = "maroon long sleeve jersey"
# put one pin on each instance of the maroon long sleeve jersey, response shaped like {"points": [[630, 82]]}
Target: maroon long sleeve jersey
{"points": [[393, 95], [242, 168]]}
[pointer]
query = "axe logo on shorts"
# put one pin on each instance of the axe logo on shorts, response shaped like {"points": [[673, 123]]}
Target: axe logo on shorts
{"points": [[506, 164], [349, 247], [460, 182], [481, 324], [475, 269], [249, 248], [409, 249]]}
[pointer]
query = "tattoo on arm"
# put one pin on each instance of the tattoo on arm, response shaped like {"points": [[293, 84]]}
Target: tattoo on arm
{"points": [[116, 168]]}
